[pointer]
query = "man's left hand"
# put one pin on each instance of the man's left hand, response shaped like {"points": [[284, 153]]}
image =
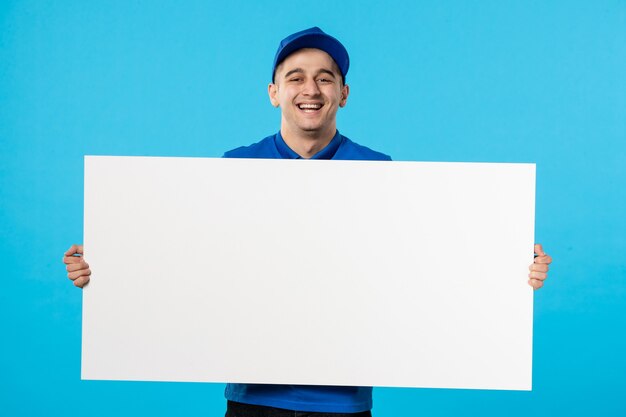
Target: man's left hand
{"points": [[539, 268]]}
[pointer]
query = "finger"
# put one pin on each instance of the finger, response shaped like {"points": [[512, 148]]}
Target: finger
{"points": [[539, 249], [77, 267], [545, 259], [538, 275], [74, 249], [77, 274], [539, 267], [81, 282], [535, 283], [73, 260], [73, 254]]}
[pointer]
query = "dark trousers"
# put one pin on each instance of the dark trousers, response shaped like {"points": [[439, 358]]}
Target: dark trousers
{"points": [[235, 409]]}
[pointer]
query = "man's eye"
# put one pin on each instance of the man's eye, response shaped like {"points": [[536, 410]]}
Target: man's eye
{"points": [[325, 80], [296, 79]]}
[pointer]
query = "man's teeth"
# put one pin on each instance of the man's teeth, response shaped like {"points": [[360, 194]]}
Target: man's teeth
{"points": [[309, 106]]}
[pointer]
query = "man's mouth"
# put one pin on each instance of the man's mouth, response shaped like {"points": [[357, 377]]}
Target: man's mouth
{"points": [[309, 107]]}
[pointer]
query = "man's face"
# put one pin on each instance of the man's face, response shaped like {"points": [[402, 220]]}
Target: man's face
{"points": [[309, 90]]}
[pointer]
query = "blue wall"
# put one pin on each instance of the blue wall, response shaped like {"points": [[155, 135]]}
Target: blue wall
{"points": [[519, 81]]}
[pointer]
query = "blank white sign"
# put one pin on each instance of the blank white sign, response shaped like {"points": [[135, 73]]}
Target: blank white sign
{"points": [[317, 272]]}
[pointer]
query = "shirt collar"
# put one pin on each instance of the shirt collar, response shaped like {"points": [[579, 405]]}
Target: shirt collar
{"points": [[327, 153]]}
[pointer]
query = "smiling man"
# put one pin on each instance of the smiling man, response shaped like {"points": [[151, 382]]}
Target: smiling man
{"points": [[308, 85], [309, 89]]}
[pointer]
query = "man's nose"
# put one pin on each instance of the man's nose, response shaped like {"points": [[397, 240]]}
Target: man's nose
{"points": [[310, 88]]}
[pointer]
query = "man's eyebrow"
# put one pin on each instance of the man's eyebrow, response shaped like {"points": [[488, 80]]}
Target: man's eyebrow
{"points": [[293, 71], [301, 71], [325, 71]]}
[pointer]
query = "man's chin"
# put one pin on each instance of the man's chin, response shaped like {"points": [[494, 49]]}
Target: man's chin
{"points": [[311, 128]]}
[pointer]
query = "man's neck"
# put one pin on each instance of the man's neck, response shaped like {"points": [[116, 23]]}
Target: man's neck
{"points": [[306, 145]]}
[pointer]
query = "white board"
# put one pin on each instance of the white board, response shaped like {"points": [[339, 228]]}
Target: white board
{"points": [[317, 272]]}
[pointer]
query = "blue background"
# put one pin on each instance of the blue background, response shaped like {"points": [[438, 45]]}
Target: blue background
{"points": [[518, 81]]}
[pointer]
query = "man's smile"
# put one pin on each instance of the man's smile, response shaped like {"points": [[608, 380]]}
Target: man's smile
{"points": [[309, 107]]}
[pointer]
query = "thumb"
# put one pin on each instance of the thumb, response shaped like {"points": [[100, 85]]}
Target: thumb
{"points": [[539, 250], [74, 249]]}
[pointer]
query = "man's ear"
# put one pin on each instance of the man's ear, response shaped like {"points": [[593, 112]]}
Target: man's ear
{"points": [[272, 90], [345, 92]]}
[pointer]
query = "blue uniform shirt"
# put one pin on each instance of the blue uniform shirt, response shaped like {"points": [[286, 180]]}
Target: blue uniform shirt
{"points": [[304, 397]]}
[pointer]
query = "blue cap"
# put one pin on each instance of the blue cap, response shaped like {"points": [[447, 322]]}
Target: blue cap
{"points": [[313, 38]]}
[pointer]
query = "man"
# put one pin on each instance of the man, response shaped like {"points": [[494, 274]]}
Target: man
{"points": [[308, 85]]}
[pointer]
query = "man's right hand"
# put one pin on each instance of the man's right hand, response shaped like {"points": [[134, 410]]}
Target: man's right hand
{"points": [[77, 269]]}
